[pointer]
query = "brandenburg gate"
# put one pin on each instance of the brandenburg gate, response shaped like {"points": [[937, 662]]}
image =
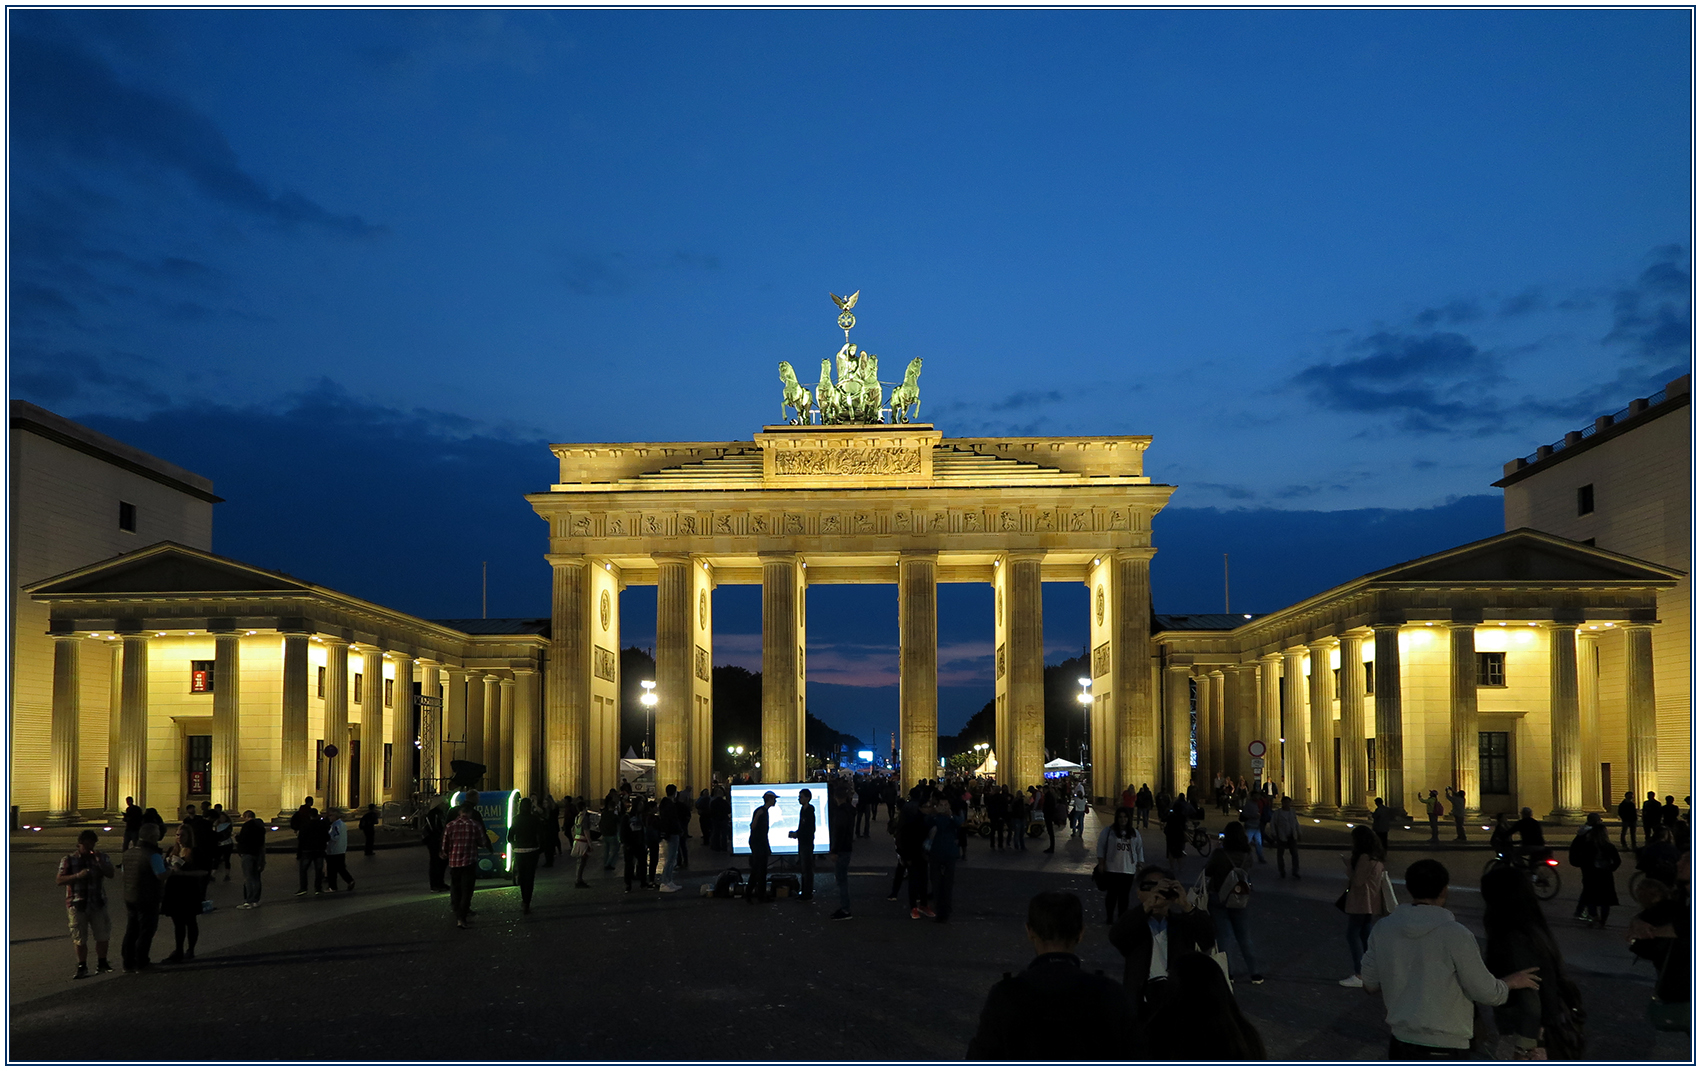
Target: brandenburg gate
{"points": [[840, 496]]}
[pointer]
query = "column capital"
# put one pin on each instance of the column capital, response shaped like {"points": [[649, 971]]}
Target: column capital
{"points": [[1325, 644], [1639, 626], [1273, 659], [1563, 624], [1217, 672], [671, 559], [1009, 556], [1359, 632], [559, 560], [918, 555], [335, 641], [1386, 625], [1123, 554]]}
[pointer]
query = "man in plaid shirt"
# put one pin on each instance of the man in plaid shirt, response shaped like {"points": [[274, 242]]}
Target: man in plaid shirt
{"points": [[462, 838], [83, 873]]}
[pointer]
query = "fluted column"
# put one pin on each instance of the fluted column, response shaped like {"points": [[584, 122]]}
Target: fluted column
{"points": [[455, 717], [1462, 694], [65, 729], [1355, 766], [295, 758], [1270, 718], [525, 745], [674, 695], [508, 751], [1295, 750], [1026, 661], [372, 726], [1202, 742], [1641, 728], [401, 735], [1564, 724], [1589, 715], [474, 749], [133, 720], [431, 762], [1131, 637], [1178, 722], [918, 666], [567, 704], [227, 720], [336, 721], [1320, 743], [114, 721], [1219, 746], [490, 738], [1390, 718], [1234, 740], [782, 667]]}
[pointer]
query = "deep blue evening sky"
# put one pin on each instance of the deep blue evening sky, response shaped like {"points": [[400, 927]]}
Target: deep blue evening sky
{"points": [[358, 266]]}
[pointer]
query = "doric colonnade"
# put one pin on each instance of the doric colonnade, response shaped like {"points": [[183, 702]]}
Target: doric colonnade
{"points": [[811, 505]]}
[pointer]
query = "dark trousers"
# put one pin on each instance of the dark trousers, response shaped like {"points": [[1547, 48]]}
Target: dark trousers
{"points": [[684, 850], [841, 874], [526, 864], [1435, 828], [899, 872], [1283, 850], [186, 926], [371, 836], [1405, 1051], [140, 923], [806, 866], [1624, 828], [758, 885], [1000, 832], [252, 865], [315, 861], [864, 821], [1116, 890], [1358, 938], [916, 865], [461, 879], [942, 877], [634, 865], [335, 865], [1382, 835], [1459, 825], [129, 837], [438, 867]]}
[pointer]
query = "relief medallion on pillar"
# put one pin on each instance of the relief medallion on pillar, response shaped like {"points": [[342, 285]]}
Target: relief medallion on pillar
{"points": [[1098, 602], [1101, 659], [604, 608], [702, 609], [603, 663]]}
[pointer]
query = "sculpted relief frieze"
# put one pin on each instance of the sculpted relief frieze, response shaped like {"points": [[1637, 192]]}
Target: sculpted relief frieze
{"points": [[904, 522], [870, 461]]}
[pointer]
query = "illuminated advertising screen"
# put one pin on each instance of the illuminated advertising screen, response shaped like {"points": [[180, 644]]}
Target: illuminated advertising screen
{"points": [[782, 816]]}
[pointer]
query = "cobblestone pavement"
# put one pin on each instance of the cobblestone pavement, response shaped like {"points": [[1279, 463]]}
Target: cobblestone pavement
{"points": [[382, 974]]}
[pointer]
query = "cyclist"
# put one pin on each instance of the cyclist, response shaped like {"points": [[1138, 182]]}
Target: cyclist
{"points": [[1531, 843]]}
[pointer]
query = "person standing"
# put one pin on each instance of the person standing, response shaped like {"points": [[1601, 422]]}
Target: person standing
{"points": [[251, 849], [1121, 854], [1456, 803], [336, 850], [1432, 810], [1175, 832], [609, 826], [1363, 902], [1627, 820], [1381, 821], [1229, 885], [1284, 827], [668, 832], [144, 884], [1426, 967], [368, 829], [1596, 859], [1544, 1023], [431, 832], [525, 841], [998, 816], [185, 885], [760, 850], [579, 842], [310, 840], [910, 842], [1650, 816], [1017, 815], [1163, 930], [941, 847], [556, 816], [224, 837], [804, 834], [132, 822], [461, 838], [1142, 804], [1048, 814], [632, 842], [842, 822], [682, 803], [83, 873]]}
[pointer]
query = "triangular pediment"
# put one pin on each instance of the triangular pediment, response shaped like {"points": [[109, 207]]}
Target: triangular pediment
{"points": [[1525, 555], [164, 569]]}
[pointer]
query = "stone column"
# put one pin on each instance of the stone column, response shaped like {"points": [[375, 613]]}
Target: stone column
{"points": [[474, 750], [782, 666], [1295, 750], [567, 704], [133, 720], [65, 730], [1270, 718], [490, 746], [336, 721], [1564, 723], [1320, 749], [525, 731], [1202, 744], [1589, 717], [430, 724], [371, 726], [1355, 772], [295, 751], [1026, 662], [1643, 736], [1390, 718], [507, 750], [1179, 723], [1462, 693], [227, 720], [401, 735], [455, 717], [1131, 640], [1234, 747], [918, 666], [674, 694], [1219, 746], [114, 720]]}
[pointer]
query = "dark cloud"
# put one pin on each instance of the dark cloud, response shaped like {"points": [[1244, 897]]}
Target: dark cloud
{"points": [[53, 378], [68, 103], [1426, 383], [1532, 300], [1025, 399], [1454, 312], [1651, 318]]}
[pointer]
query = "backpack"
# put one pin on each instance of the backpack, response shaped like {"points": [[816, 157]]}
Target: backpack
{"points": [[1435, 807], [725, 885], [1236, 889]]}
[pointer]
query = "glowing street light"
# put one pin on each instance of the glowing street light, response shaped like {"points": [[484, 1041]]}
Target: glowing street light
{"points": [[649, 701]]}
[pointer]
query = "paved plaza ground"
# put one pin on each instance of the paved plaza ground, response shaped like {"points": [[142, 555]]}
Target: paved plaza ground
{"points": [[382, 974]]}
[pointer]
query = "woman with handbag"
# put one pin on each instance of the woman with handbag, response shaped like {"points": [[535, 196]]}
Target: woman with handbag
{"points": [[1363, 899], [1120, 854], [1229, 883], [1545, 1023]]}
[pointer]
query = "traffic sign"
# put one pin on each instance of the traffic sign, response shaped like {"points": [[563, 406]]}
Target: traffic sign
{"points": [[1257, 765], [1255, 749], [330, 751]]}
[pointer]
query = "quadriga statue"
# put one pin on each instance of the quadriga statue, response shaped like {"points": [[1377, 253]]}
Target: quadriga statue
{"points": [[796, 395], [907, 395]]}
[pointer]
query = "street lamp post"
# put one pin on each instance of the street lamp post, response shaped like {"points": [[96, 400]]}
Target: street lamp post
{"points": [[649, 701]]}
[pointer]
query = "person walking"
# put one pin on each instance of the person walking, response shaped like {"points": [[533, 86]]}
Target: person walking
{"points": [[1121, 854], [1362, 901], [842, 823], [132, 822], [1382, 820], [941, 848], [804, 834], [632, 830], [668, 832], [185, 884], [1544, 1023], [1284, 827], [579, 842], [431, 832], [910, 843], [1627, 820], [1078, 804], [461, 838], [525, 840], [1594, 856], [1199, 1019], [83, 875], [609, 826], [1456, 803], [144, 884], [760, 850], [368, 829], [1228, 884], [1251, 819], [1175, 832], [1055, 989], [251, 849], [1426, 967], [336, 850], [310, 840], [1142, 804]]}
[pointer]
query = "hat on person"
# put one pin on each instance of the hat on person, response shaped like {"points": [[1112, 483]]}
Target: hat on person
{"points": [[769, 796]]}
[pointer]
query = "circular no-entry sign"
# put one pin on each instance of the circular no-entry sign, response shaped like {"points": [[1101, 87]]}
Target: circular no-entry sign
{"points": [[330, 751], [1255, 749]]}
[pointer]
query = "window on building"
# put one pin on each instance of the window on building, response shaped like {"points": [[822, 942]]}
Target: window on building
{"points": [[199, 764], [389, 691], [1585, 499], [1337, 683], [126, 517], [201, 676], [357, 687], [1491, 669], [1370, 678], [321, 682], [1494, 765]]}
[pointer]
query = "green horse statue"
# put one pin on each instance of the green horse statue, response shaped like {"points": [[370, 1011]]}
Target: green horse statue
{"points": [[796, 395], [907, 394]]}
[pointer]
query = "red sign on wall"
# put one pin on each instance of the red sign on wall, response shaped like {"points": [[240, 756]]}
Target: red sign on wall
{"points": [[200, 783]]}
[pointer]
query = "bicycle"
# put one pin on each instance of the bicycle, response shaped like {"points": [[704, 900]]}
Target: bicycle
{"points": [[1537, 862], [1197, 837]]}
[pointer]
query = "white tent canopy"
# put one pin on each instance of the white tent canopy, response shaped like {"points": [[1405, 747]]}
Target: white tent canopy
{"points": [[989, 767], [1063, 764]]}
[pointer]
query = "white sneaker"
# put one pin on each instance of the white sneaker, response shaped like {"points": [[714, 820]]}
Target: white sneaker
{"points": [[670, 887], [1353, 982]]}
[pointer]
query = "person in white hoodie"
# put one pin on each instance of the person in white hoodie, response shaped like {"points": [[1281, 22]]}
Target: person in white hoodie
{"points": [[1429, 971]]}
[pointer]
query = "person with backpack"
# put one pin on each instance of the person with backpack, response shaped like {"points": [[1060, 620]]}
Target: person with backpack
{"points": [[83, 875], [1594, 856], [1054, 989], [1284, 833], [1432, 808], [1228, 883]]}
